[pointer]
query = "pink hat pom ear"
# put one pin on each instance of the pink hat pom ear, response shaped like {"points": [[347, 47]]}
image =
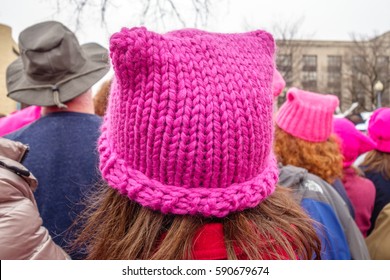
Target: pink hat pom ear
{"points": [[335, 101], [278, 83], [291, 94]]}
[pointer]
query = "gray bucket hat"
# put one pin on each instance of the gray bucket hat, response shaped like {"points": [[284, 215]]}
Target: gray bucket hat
{"points": [[53, 68]]}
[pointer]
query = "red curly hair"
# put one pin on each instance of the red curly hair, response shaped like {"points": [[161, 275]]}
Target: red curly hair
{"points": [[322, 159]]}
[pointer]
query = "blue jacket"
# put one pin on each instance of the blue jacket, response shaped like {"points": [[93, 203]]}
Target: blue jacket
{"points": [[382, 195], [64, 159], [340, 237]]}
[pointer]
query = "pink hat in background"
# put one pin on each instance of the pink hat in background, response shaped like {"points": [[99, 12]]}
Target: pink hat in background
{"points": [[379, 129], [18, 119], [353, 142], [278, 83], [188, 128], [307, 115]]}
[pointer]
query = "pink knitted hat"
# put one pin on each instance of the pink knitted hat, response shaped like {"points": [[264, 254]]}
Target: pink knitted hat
{"points": [[188, 128], [307, 115], [353, 142], [379, 129], [19, 119], [278, 83]]}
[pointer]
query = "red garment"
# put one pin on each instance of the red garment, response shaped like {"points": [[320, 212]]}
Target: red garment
{"points": [[209, 245], [361, 192]]}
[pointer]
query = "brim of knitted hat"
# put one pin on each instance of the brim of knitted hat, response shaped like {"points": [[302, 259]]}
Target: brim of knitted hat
{"points": [[383, 145], [216, 202]]}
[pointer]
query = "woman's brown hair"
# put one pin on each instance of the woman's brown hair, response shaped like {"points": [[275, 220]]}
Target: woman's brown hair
{"points": [[322, 159], [376, 161], [117, 228], [101, 98]]}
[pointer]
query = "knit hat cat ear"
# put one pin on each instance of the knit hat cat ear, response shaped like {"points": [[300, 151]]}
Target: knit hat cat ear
{"points": [[278, 83], [133, 46], [307, 115]]}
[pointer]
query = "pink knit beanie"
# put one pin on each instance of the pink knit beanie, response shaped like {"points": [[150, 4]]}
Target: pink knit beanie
{"points": [[188, 128], [278, 83], [353, 142], [307, 115], [379, 129]]}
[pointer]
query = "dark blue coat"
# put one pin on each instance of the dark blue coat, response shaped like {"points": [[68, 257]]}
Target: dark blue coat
{"points": [[382, 195], [64, 159]]}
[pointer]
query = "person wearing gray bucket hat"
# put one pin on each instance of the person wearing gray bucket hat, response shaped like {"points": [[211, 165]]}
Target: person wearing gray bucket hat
{"points": [[56, 72], [53, 68]]}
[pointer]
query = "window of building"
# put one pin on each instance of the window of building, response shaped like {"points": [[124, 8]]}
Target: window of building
{"points": [[334, 79], [309, 80], [310, 60], [284, 65], [309, 72], [334, 75], [334, 62]]}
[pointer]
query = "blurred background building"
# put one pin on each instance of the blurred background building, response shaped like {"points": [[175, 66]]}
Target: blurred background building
{"points": [[355, 70]]}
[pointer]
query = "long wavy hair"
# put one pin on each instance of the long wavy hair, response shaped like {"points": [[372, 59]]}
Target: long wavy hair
{"points": [[376, 161], [116, 228], [322, 159]]}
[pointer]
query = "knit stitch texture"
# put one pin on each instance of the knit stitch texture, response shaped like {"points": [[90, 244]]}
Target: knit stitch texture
{"points": [[307, 115], [188, 128]]}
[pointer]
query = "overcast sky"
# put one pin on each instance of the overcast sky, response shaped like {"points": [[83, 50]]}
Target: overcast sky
{"points": [[322, 19]]}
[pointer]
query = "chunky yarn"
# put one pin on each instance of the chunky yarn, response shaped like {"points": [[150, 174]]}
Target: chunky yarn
{"points": [[188, 128], [307, 115]]}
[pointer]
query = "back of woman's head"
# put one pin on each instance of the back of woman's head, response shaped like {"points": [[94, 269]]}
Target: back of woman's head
{"points": [[303, 134], [377, 162], [118, 228], [187, 139], [378, 130]]}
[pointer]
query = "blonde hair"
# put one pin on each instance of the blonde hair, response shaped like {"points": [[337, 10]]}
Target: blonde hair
{"points": [[117, 228], [101, 98], [323, 159], [377, 161]]}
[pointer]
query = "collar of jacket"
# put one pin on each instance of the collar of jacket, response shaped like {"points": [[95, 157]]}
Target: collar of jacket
{"points": [[11, 155]]}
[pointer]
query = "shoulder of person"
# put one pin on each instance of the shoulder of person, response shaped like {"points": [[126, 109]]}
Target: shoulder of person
{"points": [[11, 155]]}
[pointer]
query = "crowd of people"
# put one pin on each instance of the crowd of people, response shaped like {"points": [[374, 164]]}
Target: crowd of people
{"points": [[182, 154]]}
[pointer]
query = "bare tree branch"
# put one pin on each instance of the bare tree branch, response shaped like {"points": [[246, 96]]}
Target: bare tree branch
{"points": [[365, 68], [151, 11], [145, 11], [103, 11], [79, 10], [174, 9]]}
